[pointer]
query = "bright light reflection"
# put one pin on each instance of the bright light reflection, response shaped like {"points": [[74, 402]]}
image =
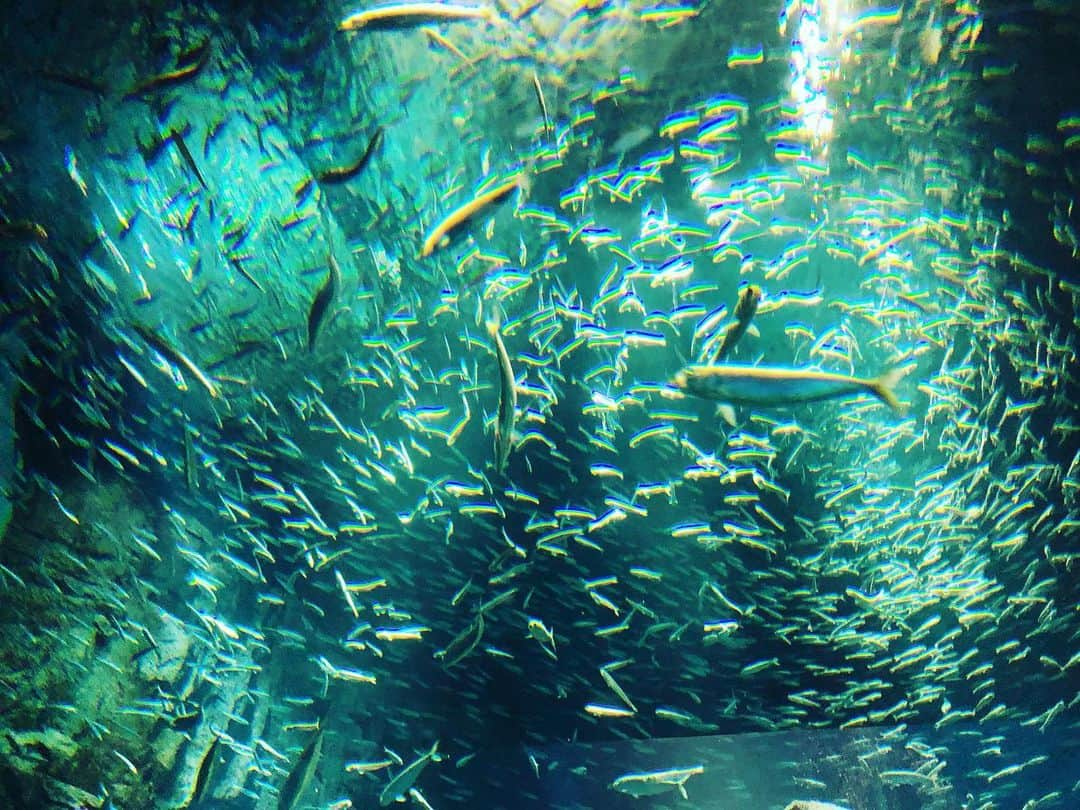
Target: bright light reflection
{"points": [[813, 59]]}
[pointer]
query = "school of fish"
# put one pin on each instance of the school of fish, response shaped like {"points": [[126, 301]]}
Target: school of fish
{"points": [[484, 404]]}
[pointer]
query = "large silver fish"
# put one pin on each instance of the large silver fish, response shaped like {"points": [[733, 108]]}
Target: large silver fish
{"points": [[741, 384]]}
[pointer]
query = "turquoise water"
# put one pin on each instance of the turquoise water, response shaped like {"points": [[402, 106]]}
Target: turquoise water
{"points": [[539, 404]]}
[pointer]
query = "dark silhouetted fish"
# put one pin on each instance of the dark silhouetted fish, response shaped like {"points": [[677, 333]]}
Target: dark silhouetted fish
{"points": [[340, 174], [321, 302]]}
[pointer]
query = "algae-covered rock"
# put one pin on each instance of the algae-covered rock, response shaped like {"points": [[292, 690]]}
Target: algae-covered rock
{"points": [[166, 661], [166, 746], [59, 745], [66, 795]]}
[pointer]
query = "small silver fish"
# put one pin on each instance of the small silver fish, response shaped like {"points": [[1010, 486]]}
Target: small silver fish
{"points": [[504, 423], [749, 297]]}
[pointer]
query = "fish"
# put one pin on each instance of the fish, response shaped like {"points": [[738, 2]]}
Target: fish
{"points": [[889, 569], [418, 797], [191, 470], [176, 357], [462, 645], [321, 303], [171, 78], [75, 80], [398, 787], [400, 14], [439, 39], [651, 783], [177, 137], [299, 779], [543, 635], [239, 268], [367, 767], [614, 686], [780, 385], [22, 231], [340, 174], [630, 139], [504, 422], [542, 102], [745, 307], [71, 164], [439, 234], [603, 710]]}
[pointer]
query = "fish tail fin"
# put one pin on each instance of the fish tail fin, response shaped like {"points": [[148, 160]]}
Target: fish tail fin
{"points": [[726, 412], [884, 388]]}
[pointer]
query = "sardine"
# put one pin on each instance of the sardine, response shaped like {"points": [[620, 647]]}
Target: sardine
{"points": [[191, 470], [542, 102], [745, 307], [176, 357], [504, 422]]}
